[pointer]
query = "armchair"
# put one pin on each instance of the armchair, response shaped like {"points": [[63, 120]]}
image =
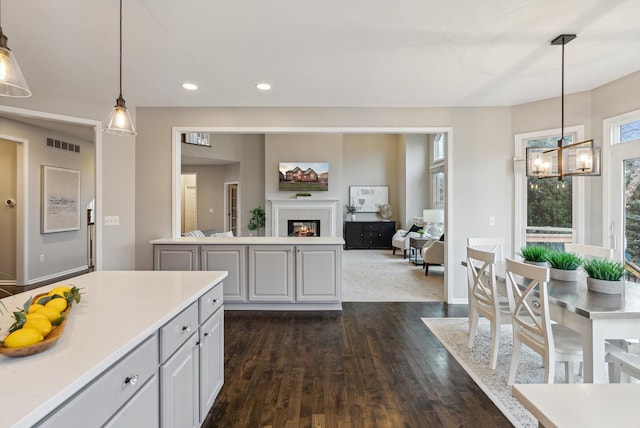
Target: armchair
{"points": [[433, 253], [400, 240]]}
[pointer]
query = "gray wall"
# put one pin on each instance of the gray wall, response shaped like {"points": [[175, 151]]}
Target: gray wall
{"points": [[63, 251]]}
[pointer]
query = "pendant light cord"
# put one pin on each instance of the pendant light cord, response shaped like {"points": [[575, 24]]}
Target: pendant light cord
{"points": [[562, 98]]}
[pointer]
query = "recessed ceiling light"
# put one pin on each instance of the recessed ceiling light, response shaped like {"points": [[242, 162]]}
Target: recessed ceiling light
{"points": [[190, 86], [263, 86]]}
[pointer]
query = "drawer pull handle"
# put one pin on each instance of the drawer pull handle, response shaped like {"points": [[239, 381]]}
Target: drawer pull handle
{"points": [[206, 334], [131, 380], [213, 301], [186, 328]]}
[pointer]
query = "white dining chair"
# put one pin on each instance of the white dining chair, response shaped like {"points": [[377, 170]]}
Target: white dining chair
{"points": [[532, 323], [485, 298], [589, 251]]}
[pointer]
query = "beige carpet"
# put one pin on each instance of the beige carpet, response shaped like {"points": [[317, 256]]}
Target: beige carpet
{"points": [[379, 276]]}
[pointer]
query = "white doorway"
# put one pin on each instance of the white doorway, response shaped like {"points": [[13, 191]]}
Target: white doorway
{"points": [[190, 202]]}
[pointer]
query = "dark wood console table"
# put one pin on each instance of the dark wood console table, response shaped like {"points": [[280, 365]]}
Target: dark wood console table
{"points": [[368, 234]]}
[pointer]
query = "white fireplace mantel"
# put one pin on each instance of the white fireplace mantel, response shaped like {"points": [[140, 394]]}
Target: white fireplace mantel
{"points": [[285, 209]]}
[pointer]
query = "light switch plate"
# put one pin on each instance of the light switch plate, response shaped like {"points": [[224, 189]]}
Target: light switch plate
{"points": [[112, 220]]}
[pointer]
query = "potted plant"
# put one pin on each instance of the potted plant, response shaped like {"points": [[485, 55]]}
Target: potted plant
{"points": [[303, 195], [605, 276], [563, 266], [420, 232], [534, 255], [351, 209], [257, 220]]}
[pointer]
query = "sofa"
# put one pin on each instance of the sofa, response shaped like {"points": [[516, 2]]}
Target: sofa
{"points": [[433, 253]]}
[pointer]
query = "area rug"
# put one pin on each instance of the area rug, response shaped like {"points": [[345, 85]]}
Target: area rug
{"points": [[453, 333], [380, 276]]}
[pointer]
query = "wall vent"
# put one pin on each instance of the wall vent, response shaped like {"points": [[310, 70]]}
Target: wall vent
{"points": [[63, 145]]}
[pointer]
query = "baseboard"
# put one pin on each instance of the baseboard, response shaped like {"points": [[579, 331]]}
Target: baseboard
{"points": [[459, 301], [282, 306], [58, 276]]}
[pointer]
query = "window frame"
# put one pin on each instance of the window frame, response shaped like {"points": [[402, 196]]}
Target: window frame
{"points": [[520, 187]]}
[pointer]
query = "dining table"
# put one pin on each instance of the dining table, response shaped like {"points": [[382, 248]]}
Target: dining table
{"points": [[598, 317]]}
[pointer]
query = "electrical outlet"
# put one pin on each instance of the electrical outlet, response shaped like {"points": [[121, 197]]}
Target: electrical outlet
{"points": [[112, 220], [492, 221], [41, 258], [210, 210]]}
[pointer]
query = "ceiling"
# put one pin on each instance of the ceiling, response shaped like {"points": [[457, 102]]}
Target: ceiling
{"points": [[330, 53]]}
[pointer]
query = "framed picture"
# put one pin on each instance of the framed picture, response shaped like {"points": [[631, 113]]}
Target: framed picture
{"points": [[303, 176], [60, 210], [368, 199]]}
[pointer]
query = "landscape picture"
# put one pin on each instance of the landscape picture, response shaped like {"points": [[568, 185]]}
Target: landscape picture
{"points": [[303, 176]]}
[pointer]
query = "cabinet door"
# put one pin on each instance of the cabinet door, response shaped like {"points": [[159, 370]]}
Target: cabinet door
{"points": [[211, 361], [231, 258], [179, 387], [271, 273], [318, 273], [142, 411], [175, 257], [353, 234]]}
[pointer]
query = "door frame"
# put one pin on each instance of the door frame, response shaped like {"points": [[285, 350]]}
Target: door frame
{"points": [[22, 234], [448, 210], [228, 184]]}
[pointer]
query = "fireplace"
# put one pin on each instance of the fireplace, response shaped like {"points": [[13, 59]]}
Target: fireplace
{"points": [[303, 227]]}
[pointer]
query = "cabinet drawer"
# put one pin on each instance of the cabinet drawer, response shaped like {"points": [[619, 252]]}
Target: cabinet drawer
{"points": [[210, 302], [95, 404], [371, 227], [175, 332]]}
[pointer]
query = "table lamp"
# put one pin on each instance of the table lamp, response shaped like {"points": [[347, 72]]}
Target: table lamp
{"points": [[429, 217]]}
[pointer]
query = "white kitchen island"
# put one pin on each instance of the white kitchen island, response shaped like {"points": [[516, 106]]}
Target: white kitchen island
{"points": [[113, 362], [266, 273]]}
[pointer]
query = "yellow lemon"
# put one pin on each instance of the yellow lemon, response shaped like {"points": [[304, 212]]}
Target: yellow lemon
{"points": [[58, 304], [42, 324], [52, 314], [35, 307], [23, 337], [60, 290], [35, 315]]}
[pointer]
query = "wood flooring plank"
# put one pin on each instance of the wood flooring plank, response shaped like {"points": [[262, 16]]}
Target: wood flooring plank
{"points": [[370, 365]]}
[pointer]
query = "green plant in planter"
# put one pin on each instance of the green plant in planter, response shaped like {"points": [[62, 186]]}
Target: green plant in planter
{"points": [[534, 253], [563, 260], [606, 270], [258, 219], [351, 209], [420, 232], [303, 194]]}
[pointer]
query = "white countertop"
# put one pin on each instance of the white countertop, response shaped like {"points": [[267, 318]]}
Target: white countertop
{"points": [[118, 311], [581, 405], [251, 240]]}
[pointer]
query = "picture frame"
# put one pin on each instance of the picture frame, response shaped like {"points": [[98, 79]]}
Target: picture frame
{"points": [[303, 176], [368, 199], [60, 204]]}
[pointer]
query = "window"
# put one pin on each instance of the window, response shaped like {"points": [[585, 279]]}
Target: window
{"points": [[437, 191], [438, 147], [545, 212]]}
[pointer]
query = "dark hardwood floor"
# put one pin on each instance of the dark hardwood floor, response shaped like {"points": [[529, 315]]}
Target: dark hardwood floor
{"points": [[371, 365]]}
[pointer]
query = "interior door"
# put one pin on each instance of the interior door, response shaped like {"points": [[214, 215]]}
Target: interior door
{"points": [[232, 208], [190, 208], [8, 211]]}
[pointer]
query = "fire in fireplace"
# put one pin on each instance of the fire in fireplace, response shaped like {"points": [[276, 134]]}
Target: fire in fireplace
{"points": [[303, 227]]}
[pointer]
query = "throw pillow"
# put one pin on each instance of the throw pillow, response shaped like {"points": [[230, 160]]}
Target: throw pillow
{"points": [[415, 228]]}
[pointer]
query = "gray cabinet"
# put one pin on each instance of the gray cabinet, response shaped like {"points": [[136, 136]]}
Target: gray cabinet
{"points": [[211, 361], [318, 273], [176, 257], [230, 258], [179, 377], [142, 411], [271, 274]]}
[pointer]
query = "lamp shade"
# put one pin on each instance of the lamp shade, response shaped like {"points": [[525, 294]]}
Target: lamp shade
{"points": [[433, 216], [12, 82], [119, 122]]}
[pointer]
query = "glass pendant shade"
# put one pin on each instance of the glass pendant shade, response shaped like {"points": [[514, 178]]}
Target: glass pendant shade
{"points": [[119, 121], [12, 82]]}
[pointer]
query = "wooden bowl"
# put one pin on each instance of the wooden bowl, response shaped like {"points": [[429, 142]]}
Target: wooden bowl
{"points": [[47, 343]]}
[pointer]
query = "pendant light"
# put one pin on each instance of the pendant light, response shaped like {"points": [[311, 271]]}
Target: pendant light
{"points": [[119, 122], [12, 82], [581, 158]]}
